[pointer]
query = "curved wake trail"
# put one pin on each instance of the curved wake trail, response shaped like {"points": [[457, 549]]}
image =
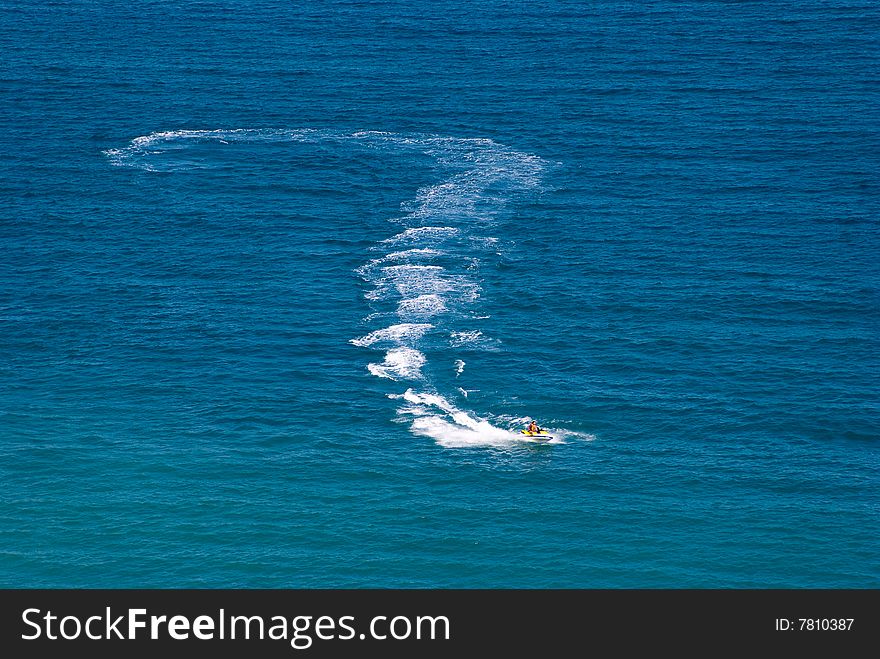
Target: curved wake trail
{"points": [[424, 280]]}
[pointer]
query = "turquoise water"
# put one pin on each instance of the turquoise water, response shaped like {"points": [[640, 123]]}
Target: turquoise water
{"points": [[282, 283]]}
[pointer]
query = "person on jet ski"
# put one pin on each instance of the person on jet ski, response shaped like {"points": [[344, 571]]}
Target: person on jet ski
{"points": [[533, 427]]}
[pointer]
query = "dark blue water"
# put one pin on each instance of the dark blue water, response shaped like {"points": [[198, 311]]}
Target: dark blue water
{"points": [[281, 282]]}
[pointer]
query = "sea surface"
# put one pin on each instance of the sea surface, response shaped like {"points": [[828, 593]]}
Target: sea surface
{"points": [[281, 282]]}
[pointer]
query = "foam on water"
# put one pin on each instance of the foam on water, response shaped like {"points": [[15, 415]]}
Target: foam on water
{"points": [[409, 280], [150, 152], [413, 281], [466, 338], [400, 363], [395, 334], [423, 306], [422, 235], [406, 256], [451, 427], [435, 417]]}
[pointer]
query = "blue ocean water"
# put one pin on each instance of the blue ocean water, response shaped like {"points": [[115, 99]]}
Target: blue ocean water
{"points": [[282, 281]]}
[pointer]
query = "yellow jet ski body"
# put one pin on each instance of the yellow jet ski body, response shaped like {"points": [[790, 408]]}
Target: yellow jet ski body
{"points": [[540, 435]]}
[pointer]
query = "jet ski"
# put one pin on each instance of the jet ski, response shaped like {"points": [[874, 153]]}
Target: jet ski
{"points": [[540, 435]]}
